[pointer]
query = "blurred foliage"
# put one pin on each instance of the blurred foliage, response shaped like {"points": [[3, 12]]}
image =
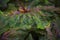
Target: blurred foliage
{"points": [[21, 23]]}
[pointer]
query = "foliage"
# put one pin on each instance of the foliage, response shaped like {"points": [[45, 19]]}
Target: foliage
{"points": [[20, 24]]}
